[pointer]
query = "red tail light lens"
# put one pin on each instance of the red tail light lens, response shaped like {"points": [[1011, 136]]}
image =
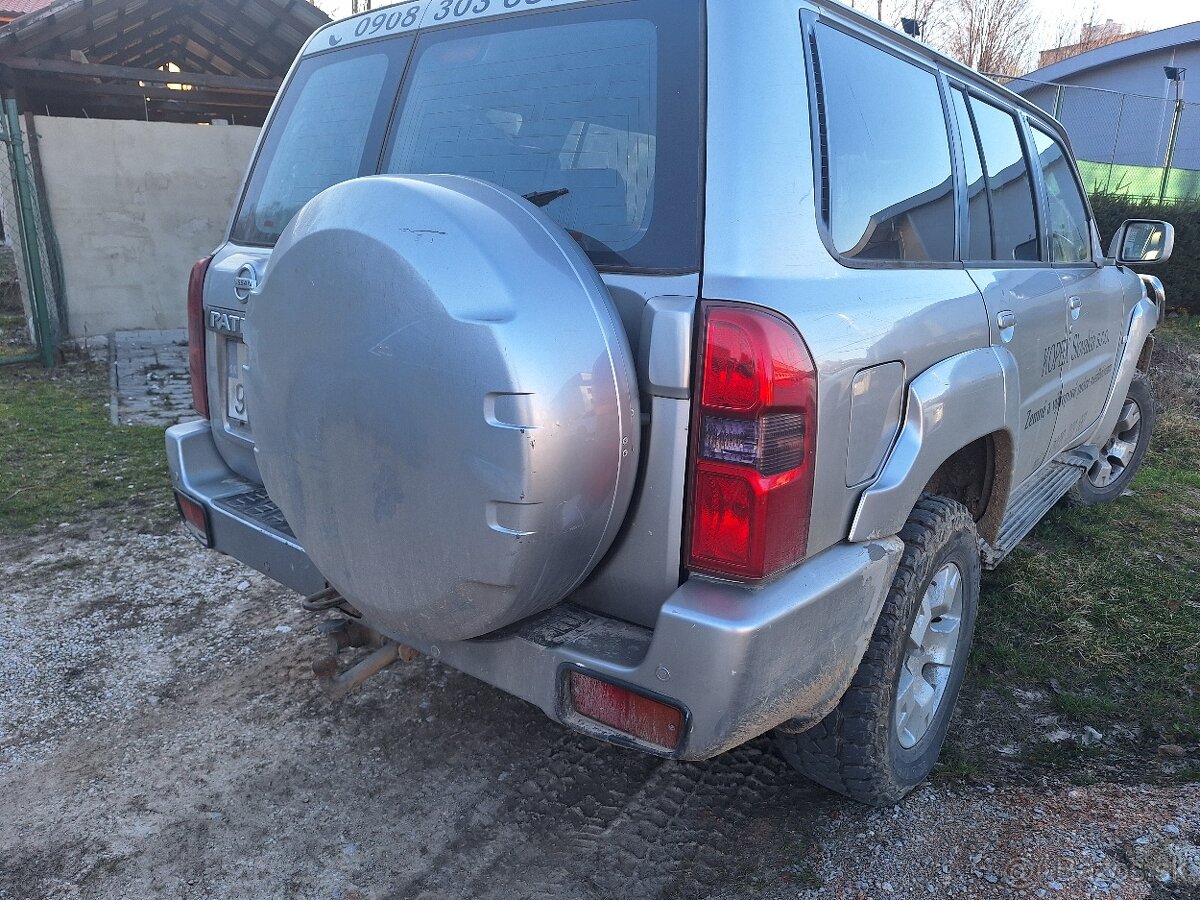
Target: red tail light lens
{"points": [[754, 445], [195, 317]]}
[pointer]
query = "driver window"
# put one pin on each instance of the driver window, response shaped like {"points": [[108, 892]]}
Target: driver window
{"points": [[1070, 236]]}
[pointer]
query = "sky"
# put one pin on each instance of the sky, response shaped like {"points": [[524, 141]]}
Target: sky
{"points": [[1148, 16]]}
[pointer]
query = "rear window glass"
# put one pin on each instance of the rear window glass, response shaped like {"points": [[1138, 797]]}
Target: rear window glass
{"points": [[889, 191], [596, 114], [334, 110], [593, 113], [1014, 223]]}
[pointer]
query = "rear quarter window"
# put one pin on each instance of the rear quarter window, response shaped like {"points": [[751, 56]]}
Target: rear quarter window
{"points": [[889, 194]]}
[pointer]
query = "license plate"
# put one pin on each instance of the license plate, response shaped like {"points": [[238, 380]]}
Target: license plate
{"points": [[235, 389]]}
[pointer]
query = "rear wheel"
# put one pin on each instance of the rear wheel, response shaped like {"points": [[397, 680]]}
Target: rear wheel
{"points": [[1122, 454], [885, 735]]}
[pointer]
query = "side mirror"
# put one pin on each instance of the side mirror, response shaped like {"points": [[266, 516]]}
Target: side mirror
{"points": [[1143, 242]]}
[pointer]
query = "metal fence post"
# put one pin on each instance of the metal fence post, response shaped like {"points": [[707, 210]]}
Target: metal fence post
{"points": [[1171, 138], [1112, 156], [30, 250]]}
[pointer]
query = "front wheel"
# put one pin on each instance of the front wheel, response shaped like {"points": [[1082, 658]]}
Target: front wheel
{"points": [[885, 735], [1123, 452]]}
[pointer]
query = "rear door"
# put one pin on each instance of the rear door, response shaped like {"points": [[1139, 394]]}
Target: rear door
{"points": [[590, 110], [1094, 292], [1004, 254]]}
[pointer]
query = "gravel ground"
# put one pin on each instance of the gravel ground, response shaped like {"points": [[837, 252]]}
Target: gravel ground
{"points": [[161, 735]]}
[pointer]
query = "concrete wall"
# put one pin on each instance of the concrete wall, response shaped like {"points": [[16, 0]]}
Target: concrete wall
{"points": [[134, 204]]}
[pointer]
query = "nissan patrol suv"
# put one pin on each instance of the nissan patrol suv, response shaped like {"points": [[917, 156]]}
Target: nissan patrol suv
{"points": [[674, 365]]}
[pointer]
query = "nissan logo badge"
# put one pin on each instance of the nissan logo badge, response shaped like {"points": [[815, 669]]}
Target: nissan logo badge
{"points": [[244, 282]]}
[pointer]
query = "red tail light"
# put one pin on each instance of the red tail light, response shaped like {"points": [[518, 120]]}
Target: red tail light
{"points": [[195, 317], [754, 445]]}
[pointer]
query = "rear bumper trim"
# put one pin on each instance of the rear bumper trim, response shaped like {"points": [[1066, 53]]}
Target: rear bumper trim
{"points": [[241, 524], [738, 660]]}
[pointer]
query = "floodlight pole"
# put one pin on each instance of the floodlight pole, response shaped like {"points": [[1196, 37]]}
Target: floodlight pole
{"points": [[1176, 75]]}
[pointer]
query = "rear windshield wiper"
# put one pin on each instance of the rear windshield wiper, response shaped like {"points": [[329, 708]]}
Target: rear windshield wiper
{"points": [[545, 198]]}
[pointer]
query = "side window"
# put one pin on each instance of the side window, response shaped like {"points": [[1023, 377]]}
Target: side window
{"points": [[1070, 236], [1014, 223], [979, 217], [889, 194]]}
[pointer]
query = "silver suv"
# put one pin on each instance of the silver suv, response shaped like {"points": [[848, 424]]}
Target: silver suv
{"points": [[674, 365]]}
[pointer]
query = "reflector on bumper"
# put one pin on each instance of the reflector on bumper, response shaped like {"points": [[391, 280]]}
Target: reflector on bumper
{"points": [[195, 516], [625, 710]]}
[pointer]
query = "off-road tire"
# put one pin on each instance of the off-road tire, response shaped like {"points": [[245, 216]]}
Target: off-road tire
{"points": [[855, 749], [1085, 492]]}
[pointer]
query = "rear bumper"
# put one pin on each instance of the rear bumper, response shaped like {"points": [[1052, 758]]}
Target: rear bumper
{"points": [[739, 661], [198, 471]]}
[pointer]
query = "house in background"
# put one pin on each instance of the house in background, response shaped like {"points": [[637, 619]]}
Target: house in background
{"points": [[1091, 37], [1125, 107], [12, 9]]}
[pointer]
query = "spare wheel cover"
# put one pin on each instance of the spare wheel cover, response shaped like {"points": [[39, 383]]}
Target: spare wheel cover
{"points": [[443, 402]]}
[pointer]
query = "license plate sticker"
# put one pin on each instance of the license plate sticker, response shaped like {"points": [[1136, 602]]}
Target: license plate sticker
{"points": [[235, 388]]}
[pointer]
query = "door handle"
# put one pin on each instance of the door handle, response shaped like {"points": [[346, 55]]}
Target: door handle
{"points": [[1076, 305], [1007, 321]]}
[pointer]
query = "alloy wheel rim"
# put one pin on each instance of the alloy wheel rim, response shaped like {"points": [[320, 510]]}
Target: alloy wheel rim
{"points": [[929, 656], [1116, 455]]}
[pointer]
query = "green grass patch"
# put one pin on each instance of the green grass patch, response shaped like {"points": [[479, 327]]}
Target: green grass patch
{"points": [[61, 458], [1100, 607], [14, 337], [955, 765]]}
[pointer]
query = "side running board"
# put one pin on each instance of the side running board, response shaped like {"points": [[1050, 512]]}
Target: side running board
{"points": [[1033, 499]]}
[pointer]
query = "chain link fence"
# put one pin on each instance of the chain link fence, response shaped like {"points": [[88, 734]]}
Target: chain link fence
{"points": [[1128, 145], [32, 318]]}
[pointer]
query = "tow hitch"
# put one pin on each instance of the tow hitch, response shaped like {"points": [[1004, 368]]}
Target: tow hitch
{"points": [[350, 633]]}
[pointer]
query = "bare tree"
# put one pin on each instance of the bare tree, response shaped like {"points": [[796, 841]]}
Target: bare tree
{"points": [[926, 12], [1080, 31], [992, 36], [335, 9]]}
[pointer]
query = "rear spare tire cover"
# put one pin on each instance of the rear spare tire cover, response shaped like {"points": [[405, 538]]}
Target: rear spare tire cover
{"points": [[443, 402]]}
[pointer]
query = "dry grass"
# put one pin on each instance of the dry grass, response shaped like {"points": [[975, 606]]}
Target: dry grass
{"points": [[1098, 612]]}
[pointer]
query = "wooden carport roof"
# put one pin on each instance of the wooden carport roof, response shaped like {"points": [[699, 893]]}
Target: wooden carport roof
{"points": [[106, 57]]}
